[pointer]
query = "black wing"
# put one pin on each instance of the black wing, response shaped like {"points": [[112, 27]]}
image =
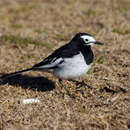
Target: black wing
{"points": [[57, 57]]}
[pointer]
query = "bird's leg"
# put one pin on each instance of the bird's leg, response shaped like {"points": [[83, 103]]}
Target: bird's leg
{"points": [[78, 82], [60, 80], [82, 84]]}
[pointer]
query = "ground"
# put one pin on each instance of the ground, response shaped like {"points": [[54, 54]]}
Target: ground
{"points": [[30, 31]]}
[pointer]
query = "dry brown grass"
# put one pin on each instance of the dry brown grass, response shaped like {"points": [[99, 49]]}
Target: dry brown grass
{"points": [[31, 31]]}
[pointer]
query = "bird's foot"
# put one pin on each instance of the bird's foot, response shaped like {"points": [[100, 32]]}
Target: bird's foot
{"points": [[67, 91], [80, 84]]}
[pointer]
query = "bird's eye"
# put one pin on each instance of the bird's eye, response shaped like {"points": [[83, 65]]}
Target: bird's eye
{"points": [[86, 40]]}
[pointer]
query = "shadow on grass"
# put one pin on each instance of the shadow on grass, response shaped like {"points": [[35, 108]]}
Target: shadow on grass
{"points": [[29, 82]]}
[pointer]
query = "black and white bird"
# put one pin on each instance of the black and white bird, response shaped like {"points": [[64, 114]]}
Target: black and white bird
{"points": [[69, 61]]}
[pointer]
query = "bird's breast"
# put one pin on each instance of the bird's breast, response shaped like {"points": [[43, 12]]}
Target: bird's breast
{"points": [[72, 67]]}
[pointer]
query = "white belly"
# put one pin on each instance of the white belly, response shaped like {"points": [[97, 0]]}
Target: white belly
{"points": [[72, 68]]}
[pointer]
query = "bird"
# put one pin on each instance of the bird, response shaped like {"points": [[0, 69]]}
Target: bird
{"points": [[68, 62]]}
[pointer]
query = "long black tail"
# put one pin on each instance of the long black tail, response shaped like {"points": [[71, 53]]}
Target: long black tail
{"points": [[16, 73]]}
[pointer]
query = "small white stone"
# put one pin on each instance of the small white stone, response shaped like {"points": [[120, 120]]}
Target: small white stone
{"points": [[29, 101]]}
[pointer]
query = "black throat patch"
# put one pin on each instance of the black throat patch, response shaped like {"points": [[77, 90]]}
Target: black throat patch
{"points": [[88, 54]]}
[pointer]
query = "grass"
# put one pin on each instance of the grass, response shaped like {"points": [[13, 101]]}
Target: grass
{"points": [[17, 26], [90, 71], [44, 30], [122, 31], [24, 8], [90, 12], [60, 36], [38, 31], [19, 40], [103, 103], [82, 110], [29, 57], [100, 60], [24, 41], [124, 7]]}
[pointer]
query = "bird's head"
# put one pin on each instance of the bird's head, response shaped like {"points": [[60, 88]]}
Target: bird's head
{"points": [[86, 39]]}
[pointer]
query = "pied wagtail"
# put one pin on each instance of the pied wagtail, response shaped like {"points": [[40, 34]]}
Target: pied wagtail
{"points": [[69, 61]]}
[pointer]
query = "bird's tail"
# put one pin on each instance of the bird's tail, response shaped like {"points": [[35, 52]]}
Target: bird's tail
{"points": [[16, 73]]}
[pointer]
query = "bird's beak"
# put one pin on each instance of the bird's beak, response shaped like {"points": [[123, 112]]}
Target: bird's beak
{"points": [[99, 43]]}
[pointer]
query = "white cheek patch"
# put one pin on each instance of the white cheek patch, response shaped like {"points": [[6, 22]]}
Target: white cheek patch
{"points": [[84, 38], [90, 41]]}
